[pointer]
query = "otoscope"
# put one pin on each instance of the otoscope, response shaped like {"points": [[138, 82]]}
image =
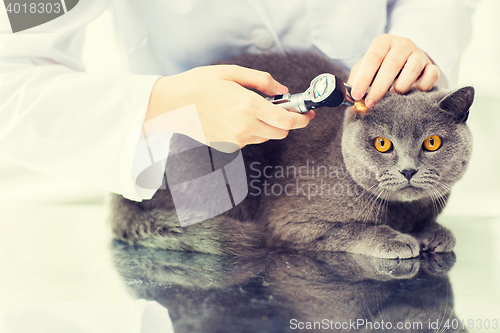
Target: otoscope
{"points": [[324, 90]]}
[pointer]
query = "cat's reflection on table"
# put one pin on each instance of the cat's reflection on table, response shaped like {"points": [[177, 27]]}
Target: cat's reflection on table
{"points": [[290, 292]]}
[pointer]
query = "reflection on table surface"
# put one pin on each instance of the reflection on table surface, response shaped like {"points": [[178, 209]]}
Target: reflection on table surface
{"points": [[63, 255], [283, 291]]}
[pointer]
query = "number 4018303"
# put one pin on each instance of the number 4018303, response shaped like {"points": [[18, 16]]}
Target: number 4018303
{"points": [[471, 324], [34, 8]]}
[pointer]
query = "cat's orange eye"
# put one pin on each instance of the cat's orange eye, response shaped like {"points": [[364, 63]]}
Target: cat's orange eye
{"points": [[432, 143], [382, 144]]}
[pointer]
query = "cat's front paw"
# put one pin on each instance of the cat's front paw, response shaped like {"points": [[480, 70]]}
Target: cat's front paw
{"points": [[436, 239], [385, 269], [384, 242], [402, 246], [397, 269]]}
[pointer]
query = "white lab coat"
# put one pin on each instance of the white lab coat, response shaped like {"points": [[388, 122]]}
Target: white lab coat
{"points": [[59, 120]]}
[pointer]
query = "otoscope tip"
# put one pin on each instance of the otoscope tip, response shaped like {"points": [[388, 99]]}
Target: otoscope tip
{"points": [[360, 105]]}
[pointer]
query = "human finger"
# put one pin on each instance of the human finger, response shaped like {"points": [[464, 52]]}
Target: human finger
{"points": [[264, 130], [281, 118], [255, 79], [429, 77], [390, 68], [370, 64], [410, 73]]}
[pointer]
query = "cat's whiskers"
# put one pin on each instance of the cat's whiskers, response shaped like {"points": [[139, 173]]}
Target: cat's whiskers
{"points": [[432, 200], [448, 188], [455, 193], [369, 201], [425, 180], [380, 315], [440, 197], [386, 205], [382, 201], [442, 328], [372, 204], [430, 189], [364, 192], [436, 203], [394, 185], [443, 193], [371, 314]]}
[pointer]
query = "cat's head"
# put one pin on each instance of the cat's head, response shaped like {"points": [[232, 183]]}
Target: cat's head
{"points": [[410, 146]]}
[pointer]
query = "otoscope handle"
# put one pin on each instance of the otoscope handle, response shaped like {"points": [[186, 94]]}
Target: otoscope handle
{"points": [[294, 103]]}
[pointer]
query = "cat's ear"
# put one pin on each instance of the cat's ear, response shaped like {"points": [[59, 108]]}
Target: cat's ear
{"points": [[458, 102]]}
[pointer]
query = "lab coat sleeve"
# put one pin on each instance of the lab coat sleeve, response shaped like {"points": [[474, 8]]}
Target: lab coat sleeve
{"points": [[59, 120], [441, 28]]}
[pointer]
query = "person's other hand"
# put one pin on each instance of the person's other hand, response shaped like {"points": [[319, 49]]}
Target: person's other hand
{"points": [[227, 110], [387, 57]]}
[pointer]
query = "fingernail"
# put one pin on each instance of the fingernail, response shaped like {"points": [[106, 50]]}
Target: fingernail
{"points": [[282, 89], [369, 103], [313, 115], [356, 94]]}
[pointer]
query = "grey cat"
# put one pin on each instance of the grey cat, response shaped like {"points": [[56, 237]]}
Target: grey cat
{"points": [[370, 184]]}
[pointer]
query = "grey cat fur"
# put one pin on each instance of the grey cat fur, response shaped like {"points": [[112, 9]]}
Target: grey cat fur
{"points": [[385, 220]]}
